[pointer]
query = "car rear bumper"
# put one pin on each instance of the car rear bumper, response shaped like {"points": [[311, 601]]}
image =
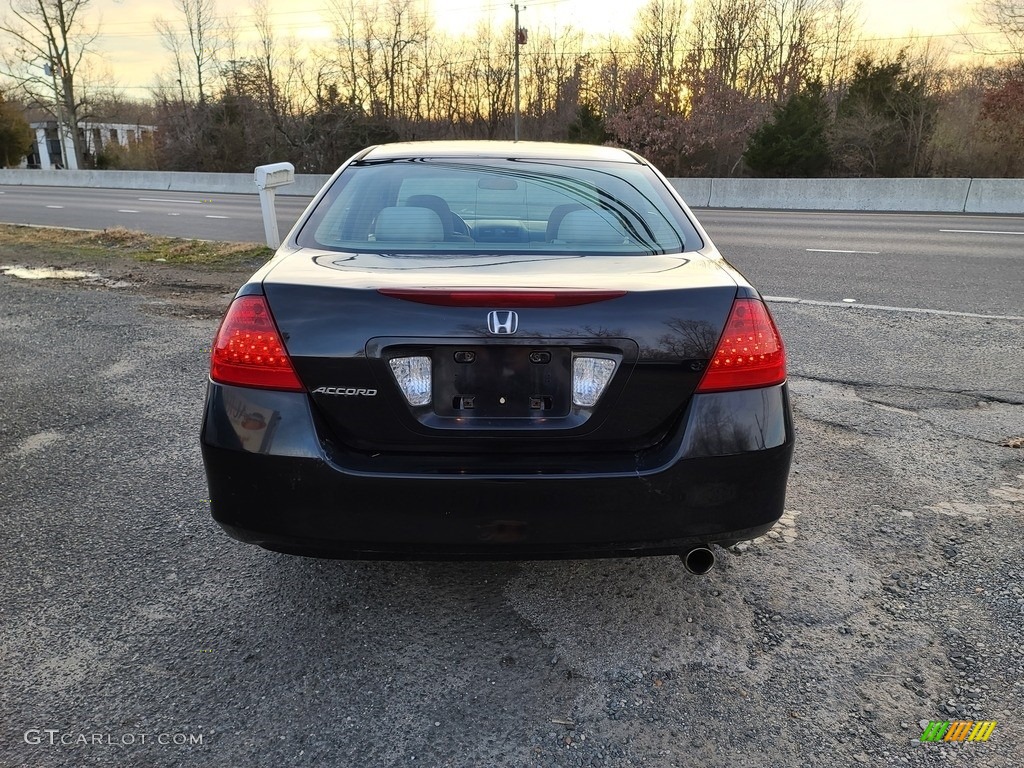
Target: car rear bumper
{"points": [[283, 490]]}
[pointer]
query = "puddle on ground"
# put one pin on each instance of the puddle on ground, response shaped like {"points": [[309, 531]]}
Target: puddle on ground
{"points": [[45, 273], [52, 273]]}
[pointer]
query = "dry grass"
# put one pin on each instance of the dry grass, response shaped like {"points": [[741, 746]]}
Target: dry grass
{"points": [[76, 244]]}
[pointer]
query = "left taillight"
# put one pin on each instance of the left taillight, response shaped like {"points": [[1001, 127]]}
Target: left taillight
{"points": [[248, 350]]}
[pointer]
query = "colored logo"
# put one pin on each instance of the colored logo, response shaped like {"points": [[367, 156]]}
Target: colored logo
{"points": [[958, 730]]}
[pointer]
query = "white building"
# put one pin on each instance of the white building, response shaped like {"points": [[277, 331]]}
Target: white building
{"points": [[47, 152]]}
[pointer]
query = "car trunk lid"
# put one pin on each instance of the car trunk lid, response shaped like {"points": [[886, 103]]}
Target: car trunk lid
{"points": [[504, 340]]}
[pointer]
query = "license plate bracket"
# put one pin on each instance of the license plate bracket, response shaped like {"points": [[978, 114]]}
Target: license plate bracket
{"points": [[502, 381]]}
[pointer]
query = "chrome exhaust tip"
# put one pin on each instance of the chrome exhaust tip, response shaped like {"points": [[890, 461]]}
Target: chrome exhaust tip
{"points": [[699, 560]]}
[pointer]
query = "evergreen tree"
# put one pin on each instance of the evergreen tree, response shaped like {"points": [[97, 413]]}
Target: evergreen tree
{"points": [[885, 120], [588, 127], [15, 134], [795, 141]]}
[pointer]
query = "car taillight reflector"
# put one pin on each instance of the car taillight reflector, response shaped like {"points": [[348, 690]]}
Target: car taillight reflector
{"points": [[248, 350], [750, 352], [502, 299]]}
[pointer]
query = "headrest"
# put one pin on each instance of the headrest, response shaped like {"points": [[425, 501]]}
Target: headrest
{"points": [[588, 227], [407, 224]]}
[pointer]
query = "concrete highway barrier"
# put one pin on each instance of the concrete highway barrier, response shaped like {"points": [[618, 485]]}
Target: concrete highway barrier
{"points": [[937, 195], [696, 192], [940, 195], [167, 181], [995, 196]]}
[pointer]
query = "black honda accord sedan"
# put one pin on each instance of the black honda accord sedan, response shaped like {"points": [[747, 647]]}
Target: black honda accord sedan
{"points": [[497, 350]]}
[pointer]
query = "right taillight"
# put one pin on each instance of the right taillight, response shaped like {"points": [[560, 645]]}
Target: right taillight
{"points": [[248, 350], [749, 354]]}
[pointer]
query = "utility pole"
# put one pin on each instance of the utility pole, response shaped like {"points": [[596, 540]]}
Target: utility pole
{"points": [[519, 38]]}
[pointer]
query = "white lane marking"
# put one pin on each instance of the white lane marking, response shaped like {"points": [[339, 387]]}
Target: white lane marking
{"points": [[174, 214], [981, 231], [817, 212], [211, 216], [126, 210], [169, 200], [885, 308], [55, 206], [828, 250]]}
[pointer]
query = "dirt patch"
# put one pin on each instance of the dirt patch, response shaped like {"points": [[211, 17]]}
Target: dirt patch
{"points": [[182, 277]]}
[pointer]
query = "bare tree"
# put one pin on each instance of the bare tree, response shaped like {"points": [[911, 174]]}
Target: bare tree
{"points": [[553, 69], [608, 70], [174, 43], [964, 142], [382, 54], [346, 30], [267, 58], [1006, 17], [723, 36], [397, 38], [843, 24], [658, 42], [282, 88], [50, 43], [196, 49], [791, 38], [452, 77], [490, 67]]}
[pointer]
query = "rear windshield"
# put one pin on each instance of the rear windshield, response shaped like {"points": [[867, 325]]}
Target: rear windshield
{"points": [[466, 206]]}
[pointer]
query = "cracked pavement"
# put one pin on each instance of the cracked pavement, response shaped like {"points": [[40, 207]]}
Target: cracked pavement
{"points": [[889, 595]]}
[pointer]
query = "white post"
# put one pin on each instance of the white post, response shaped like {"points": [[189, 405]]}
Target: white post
{"points": [[270, 229], [268, 178], [44, 151], [68, 150]]}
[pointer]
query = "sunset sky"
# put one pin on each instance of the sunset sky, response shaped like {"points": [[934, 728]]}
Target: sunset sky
{"points": [[132, 52]]}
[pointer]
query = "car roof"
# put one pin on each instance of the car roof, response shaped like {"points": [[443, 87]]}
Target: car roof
{"points": [[540, 150]]}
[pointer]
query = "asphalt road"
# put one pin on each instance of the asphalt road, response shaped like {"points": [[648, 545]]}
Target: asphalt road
{"points": [[953, 262], [134, 633], [234, 218]]}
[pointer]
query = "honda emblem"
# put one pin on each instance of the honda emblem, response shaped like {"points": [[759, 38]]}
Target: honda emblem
{"points": [[502, 322]]}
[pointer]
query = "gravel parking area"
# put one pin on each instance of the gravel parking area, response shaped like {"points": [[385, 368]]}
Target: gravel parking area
{"points": [[133, 632]]}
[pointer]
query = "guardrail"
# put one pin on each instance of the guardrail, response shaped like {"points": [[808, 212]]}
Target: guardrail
{"points": [[920, 195]]}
